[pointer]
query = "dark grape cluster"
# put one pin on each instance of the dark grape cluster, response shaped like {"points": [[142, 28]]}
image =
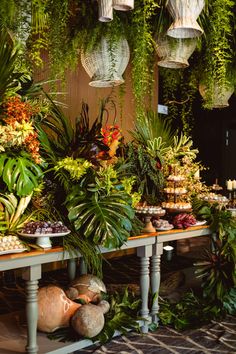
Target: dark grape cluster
{"points": [[44, 227]]}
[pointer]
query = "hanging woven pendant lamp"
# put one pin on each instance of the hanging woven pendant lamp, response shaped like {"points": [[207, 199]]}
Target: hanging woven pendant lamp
{"points": [[220, 97], [106, 65], [105, 10], [174, 52], [123, 5], [185, 14]]}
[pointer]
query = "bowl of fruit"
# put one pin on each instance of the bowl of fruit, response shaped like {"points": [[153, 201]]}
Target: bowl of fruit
{"points": [[43, 231]]}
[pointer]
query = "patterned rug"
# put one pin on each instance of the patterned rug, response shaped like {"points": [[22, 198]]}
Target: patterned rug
{"points": [[214, 338]]}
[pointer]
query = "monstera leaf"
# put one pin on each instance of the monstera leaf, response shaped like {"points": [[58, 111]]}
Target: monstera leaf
{"points": [[20, 173], [104, 219]]}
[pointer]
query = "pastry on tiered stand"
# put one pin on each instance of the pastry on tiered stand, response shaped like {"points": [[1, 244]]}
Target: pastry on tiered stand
{"points": [[176, 195], [178, 206], [148, 212], [216, 198]]}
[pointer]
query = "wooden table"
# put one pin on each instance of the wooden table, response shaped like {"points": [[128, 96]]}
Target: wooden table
{"points": [[149, 248]]}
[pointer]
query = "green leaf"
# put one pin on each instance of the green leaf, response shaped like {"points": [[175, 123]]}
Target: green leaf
{"points": [[105, 219], [20, 174]]}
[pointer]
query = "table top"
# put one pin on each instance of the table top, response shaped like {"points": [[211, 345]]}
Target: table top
{"points": [[134, 241]]}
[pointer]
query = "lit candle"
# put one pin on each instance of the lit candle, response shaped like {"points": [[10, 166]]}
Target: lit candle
{"points": [[229, 185], [234, 184]]}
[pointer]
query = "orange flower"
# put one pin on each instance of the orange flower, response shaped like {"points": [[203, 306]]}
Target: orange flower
{"points": [[15, 110]]}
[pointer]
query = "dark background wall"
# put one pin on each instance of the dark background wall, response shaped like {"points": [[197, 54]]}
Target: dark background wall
{"points": [[215, 136]]}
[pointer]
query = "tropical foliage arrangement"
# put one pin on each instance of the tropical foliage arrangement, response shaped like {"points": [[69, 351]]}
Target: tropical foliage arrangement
{"points": [[83, 173], [45, 160]]}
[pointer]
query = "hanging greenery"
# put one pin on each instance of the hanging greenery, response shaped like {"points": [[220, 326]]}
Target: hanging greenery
{"points": [[217, 54], [142, 51]]}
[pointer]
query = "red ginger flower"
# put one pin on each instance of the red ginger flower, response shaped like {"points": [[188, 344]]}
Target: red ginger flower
{"points": [[110, 133]]}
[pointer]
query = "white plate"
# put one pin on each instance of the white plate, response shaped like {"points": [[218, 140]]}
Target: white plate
{"points": [[17, 250], [164, 228], [45, 235], [43, 240], [199, 223]]}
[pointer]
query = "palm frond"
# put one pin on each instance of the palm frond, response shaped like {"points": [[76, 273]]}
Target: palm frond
{"points": [[150, 126], [8, 58]]}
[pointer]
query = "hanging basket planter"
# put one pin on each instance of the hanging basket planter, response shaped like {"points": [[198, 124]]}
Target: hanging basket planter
{"points": [[123, 5], [219, 97], [185, 14], [105, 10], [106, 65], [174, 53]]}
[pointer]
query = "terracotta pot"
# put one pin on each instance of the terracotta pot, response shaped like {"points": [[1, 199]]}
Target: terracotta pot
{"points": [[185, 14], [86, 286], [105, 10], [174, 53], [105, 66], [123, 5], [54, 309], [88, 320], [220, 97]]}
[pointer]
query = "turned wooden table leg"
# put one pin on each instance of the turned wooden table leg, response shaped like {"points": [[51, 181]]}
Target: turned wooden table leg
{"points": [[144, 253], [31, 275], [71, 268], [156, 279], [82, 266]]}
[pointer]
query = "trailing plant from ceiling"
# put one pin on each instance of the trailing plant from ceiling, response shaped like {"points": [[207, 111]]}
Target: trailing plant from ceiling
{"points": [[217, 53], [169, 93], [142, 51]]}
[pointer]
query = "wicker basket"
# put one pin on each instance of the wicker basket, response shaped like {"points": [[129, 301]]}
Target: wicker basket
{"points": [[174, 53], [185, 14], [106, 67], [220, 97], [105, 10], [123, 5]]}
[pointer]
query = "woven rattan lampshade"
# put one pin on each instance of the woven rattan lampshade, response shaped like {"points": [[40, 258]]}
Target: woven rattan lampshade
{"points": [[123, 5], [174, 52], [104, 66], [105, 10], [185, 14], [220, 97]]}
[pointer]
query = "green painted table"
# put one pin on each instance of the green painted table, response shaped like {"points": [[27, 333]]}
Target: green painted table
{"points": [[149, 248]]}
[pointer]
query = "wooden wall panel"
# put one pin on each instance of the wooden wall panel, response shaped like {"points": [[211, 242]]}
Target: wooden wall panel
{"points": [[78, 90]]}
